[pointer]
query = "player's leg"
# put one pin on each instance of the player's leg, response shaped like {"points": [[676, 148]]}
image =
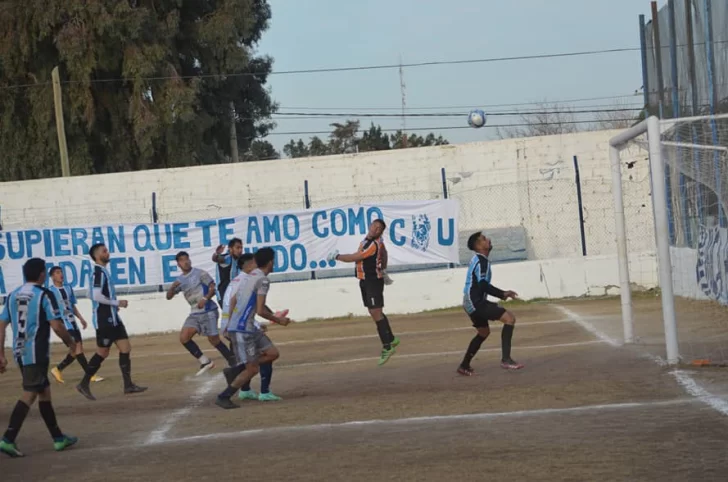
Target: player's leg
{"points": [[213, 336], [124, 346], [480, 323], [269, 354], [238, 349], [372, 294], [189, 330], [103, 347], [81, 359], [509, 323], [31, 387], [70, 357], [61, 441], [247, 344]]}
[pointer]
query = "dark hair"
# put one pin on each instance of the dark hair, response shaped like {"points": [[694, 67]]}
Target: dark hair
{"points": [[381, 221], [474, 239], [244, 259], [181, 254], [234, 241], [33, 269], [92, 251], [54, 269], [264, 256]]}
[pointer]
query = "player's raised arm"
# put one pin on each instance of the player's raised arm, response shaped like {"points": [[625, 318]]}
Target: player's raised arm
{"points": [[217, 256], [370, 251]]}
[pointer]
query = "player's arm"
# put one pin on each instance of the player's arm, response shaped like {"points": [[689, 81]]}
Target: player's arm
{"points": [[384, 257], [76, 311], [488, 288], [358, 256], [262, 309], [98, 295], [173, 290], [217, 256], [53, 315], [4, 322]]}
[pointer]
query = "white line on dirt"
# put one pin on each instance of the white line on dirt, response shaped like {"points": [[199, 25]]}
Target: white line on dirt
{"points": [[579, 320]]}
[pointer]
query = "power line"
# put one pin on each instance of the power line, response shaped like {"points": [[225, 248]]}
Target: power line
{"points": [[450, 114]]}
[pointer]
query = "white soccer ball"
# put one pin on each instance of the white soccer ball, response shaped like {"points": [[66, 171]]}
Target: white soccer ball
{"points": [[476, 118]]}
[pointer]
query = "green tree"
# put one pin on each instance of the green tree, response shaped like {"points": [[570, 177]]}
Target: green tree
{"points": [[296, 149], [343, 138], [261, 150], [374, 140], [146, 83]]}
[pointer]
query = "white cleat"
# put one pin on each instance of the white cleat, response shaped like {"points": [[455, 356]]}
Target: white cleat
{"points": [[205, 367]]}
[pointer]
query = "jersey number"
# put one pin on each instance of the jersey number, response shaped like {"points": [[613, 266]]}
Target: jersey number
{"points": [[22, 325]]}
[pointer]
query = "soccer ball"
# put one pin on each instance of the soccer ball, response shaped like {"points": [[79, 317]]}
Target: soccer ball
{"points": [[476, 118]]}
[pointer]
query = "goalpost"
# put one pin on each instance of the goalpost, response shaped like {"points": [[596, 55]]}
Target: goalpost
{"points": [[688, 169]]}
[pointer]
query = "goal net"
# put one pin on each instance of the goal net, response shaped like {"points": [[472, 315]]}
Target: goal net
{"points": [[683, 313]]}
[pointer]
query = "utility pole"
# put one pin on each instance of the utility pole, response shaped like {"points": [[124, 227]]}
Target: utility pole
{"points": [[233, 135], [60, 126], [403, 90]]}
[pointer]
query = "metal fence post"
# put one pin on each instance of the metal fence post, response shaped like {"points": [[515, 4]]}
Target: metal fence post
{"points": [[155, 220], [577, 180], [445, 196], [307, 205]]}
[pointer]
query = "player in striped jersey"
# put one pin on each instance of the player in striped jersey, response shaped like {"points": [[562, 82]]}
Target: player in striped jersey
{"points": [[32, 312], [226, 266], [371, 265], [475, 302], [110, 329], [66, 300]]}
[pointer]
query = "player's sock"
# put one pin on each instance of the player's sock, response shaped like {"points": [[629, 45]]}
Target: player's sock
{"points": [[228, 392], [66, 361], [266, 373], [389, 328], [506, 337], [384, 336], [125, 366], [226, 353], [93, 366], [194, 349], [472, 350], [81, 359], [49, 417], [16, 421]]}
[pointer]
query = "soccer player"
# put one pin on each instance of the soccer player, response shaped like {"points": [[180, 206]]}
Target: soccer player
{"points": [[110, 329], [199, 289], [32, 312], [226, 266], [251, 345], [371, 265], [66, 300], [481, 311]]}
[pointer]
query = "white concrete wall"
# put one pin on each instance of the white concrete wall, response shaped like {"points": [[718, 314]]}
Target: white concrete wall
{"points": [[528, 182]]}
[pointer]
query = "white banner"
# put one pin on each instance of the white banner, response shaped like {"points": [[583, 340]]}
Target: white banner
{"points": [[418, 232]]}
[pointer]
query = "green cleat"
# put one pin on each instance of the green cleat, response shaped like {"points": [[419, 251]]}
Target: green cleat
{"points": [[386, 355], [247, 395], [395, 342], [269, 397], [10, 449], [64, 442]]}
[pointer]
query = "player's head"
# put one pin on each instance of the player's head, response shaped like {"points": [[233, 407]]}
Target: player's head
{"points": [[183, 261], [246, 262], [376, 229], [235, 247], [264, 259], [34, 271], [479, 243], [56, 275], [99, 253]]}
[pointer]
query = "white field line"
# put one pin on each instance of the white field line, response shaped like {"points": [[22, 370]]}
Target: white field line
{"points": [[683, 378]]}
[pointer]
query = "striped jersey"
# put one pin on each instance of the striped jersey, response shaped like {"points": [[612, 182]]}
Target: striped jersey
{"points": [[371, 266], [225, 271], [242, 319], [66, 300], [477, 283], [104, 315], [29, 310]]}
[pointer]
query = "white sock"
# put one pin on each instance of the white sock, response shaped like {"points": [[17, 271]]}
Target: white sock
{"points": [[204, 360]]}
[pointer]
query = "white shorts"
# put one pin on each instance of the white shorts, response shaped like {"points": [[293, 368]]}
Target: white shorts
{"points": [[204, 323], [248, 347]]}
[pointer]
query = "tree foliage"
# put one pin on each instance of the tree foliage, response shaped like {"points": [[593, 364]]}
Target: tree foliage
{"points": [[145, 83], [345, 139]]}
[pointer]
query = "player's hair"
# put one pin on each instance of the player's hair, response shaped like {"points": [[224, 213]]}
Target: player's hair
{"points": [[33, 269], [234, 241], [381, 221], [473, 239], [181, 254], [92, 250], [244, 259], [264, 256], [54, 269]]}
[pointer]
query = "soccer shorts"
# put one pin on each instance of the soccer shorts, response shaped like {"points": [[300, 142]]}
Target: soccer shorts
{"points": [[75, 334], [248, 347], [372, 292], [204, 323], [485, 312], [107, 334], [35, 377]]}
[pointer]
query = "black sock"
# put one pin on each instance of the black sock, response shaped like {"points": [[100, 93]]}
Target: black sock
{"points": [[193, 348], [81, 359], [389, 328], [66, 361], [226, 353], [472, 350], [384, 333], [49, 417], [93, 366], [228, 392], [16, 421], [506, 337], [266, 373], [125, 366]]}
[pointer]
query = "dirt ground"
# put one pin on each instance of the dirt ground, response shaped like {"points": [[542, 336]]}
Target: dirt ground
{"points": [[583, 408]]}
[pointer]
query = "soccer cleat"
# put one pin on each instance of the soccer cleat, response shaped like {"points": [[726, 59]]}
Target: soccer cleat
{"points": [[386, 355], [247, 395], [511, 364], [225, 403], [64, 442], [205, 367], [395, 342], [269, 397], [134, 389], [11, 450], [466, 371], [85, 391], [57, 375], [96, 379]]}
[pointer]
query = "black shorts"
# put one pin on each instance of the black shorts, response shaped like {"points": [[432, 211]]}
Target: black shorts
{"points": [[35, 377], [372, 292], [75, 334], [485, 312], [107, 335]]}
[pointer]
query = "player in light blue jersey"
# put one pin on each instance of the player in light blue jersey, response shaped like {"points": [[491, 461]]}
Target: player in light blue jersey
{"points": [[66, 300], [198, 289], [475, 302], [32, 312]]}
